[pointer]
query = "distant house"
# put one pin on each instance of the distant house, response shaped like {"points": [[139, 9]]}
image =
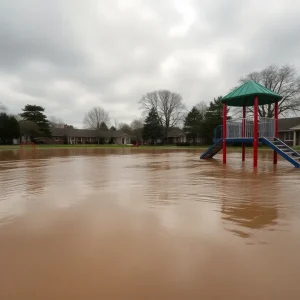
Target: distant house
{"points": [[70, 135], [289, 131], [176, 135]]}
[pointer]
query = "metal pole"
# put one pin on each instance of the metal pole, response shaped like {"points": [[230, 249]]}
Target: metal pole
{"points": [[276, 129], [255, 132], [244, 131], [224, 131]]}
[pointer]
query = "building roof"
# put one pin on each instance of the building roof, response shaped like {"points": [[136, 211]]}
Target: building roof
{"points": [[288, 123], [244, 95], [175, 132], [296, 128], [118, 133], [58, 131]]}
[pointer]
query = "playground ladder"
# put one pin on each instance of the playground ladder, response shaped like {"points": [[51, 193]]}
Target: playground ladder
{"points": [[283, 149]]}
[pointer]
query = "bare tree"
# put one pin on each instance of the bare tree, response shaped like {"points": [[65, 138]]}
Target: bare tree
{"points": [[116, 123], [283, 80], [202, 108], [94, 118], [125, 128], [137, 124], [56, 122], [168, 105], [3, 109]]}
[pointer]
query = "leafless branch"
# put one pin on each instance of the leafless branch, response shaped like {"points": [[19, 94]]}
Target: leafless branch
{"points": [[282, 80], [3, 109], [168, 105], [56, 122], [94, 118]]}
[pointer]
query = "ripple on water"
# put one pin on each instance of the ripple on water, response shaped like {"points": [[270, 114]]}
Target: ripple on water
{"points": [[133, 219], [242, 199]]}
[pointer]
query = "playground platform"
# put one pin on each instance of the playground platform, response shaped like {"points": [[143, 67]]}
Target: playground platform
{"points": [[275, 144]]}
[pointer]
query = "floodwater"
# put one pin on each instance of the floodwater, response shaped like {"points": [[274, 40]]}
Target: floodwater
{"points": [[136, 224]]}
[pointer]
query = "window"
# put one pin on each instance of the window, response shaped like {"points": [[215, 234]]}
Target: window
{"points": [[289, 136]]}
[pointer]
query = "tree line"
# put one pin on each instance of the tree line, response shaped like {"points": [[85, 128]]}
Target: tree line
{"points": [[31, 122], [162, 110]]}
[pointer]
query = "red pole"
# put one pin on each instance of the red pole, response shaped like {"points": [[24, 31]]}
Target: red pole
{"points": [[244, 131], [255, 132], [224, 131], [276, 129]]}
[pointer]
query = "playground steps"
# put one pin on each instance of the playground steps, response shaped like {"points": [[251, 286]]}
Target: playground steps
{"points": [[284, 150], [213, 150]]}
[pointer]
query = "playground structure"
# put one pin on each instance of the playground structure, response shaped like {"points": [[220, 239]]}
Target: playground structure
{"points": [[27, 144], [253, 131]]}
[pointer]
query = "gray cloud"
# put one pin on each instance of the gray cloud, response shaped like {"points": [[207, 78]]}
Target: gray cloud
{"points": [[72, 55]]}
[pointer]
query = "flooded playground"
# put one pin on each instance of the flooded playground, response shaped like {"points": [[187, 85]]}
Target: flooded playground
{"points": [[147, 224]]}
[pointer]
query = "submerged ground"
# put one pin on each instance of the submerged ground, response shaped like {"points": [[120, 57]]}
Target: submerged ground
{"points": [[126, 223]]}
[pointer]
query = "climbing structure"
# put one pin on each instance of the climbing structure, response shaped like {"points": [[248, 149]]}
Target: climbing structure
{"points": [[264, 130]]}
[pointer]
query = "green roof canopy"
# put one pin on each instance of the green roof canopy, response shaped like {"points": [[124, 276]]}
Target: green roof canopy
{"points": [[244, 95]]}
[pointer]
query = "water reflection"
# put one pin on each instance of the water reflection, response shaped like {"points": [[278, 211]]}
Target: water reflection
{"points": [[136, 224], [34, 173], [249, 201]]}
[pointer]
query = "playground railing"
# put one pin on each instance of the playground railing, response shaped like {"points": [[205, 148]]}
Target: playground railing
{"points": [[266, 127], [245, 128]]}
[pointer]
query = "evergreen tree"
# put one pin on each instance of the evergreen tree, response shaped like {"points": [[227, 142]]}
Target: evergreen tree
{"points": [[103, 126], [152, 128], [9, 128], [193, 124], [29, 128], [213, 118], [113, 128], [34, 113], [125, 128]]}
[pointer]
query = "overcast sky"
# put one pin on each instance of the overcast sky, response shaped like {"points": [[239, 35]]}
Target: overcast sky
{"points": [[72, 55]]}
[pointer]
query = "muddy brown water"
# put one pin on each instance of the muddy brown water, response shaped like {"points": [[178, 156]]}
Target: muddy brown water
{"points": [[157, 224]]}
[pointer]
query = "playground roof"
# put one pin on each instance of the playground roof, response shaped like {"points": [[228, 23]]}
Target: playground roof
{"points": [[244, 95]]}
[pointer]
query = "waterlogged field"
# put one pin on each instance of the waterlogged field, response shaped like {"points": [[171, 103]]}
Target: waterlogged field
{"points": [[122, 223]]}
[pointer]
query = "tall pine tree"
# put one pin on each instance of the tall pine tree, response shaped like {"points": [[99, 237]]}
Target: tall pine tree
{"points": [[35, 114], [152, 129], [193, 124]]}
